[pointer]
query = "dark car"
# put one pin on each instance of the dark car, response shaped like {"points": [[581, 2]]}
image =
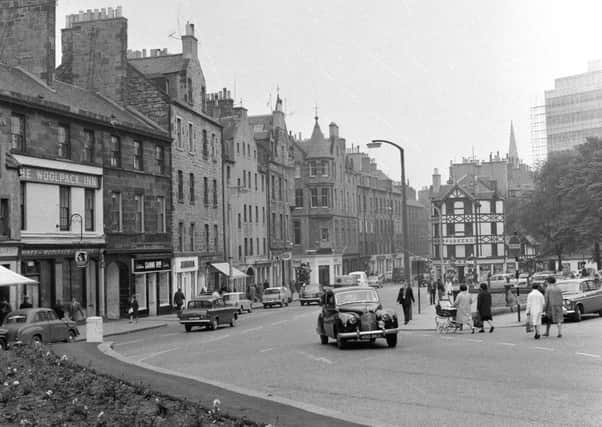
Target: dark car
{"points": [[355, 314], [3, 339], [581, 296], [38, 325], [310, 293], [209, 312]]}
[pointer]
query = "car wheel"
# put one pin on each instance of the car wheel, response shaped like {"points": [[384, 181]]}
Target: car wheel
{"points": [[324, 339], [71, 337], [578, 313], [250, 310], [214, 324], [265, 306], [36, 340], [286, 304], [233, 321], [392, 340], [188, 328], [340, 342], [302, 303]]}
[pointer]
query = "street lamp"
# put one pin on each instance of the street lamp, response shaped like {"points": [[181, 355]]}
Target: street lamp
{"points": [[376, 143], [438, 211]]}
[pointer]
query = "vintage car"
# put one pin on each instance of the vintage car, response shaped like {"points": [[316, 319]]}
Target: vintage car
{"points": [[362, 277], [355, 314], [376, 281], [38, 325], [310, 293], [581, 296], [3, 339], [238, 299], [209, 312], [275, 296]]}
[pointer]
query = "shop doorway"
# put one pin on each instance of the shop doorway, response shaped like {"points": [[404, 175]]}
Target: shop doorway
{"points": [[324, 275]]}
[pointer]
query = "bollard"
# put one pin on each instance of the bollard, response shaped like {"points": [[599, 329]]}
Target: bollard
{"points": [[94, 331], [518, 303]]}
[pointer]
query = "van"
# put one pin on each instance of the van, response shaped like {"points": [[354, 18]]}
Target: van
{"points": [[362, 277]]}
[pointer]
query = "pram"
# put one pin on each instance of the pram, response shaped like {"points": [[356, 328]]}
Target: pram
{"points": [[445, 318]]}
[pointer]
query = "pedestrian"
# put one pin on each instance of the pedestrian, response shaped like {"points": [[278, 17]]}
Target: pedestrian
{"points": [[58, 309], [535, 306], [5, 308], [252, 292], [553, 307], [406, 298], [178, 299], [432, 289], [463, 305], [77, 314], [449, 291], [133, 309], [440, 289], [25, 303], [484, 308]]}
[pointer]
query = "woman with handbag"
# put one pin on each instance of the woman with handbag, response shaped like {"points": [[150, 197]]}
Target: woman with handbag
{"points": [[535, 306]]}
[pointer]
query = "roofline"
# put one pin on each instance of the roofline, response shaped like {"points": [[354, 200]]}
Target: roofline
{"points": [[203, 115], [153, 57]]}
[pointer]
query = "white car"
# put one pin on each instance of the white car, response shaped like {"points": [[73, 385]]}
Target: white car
{"points": [[362, 277], [238, 299], [376, 281], [275, 296]]}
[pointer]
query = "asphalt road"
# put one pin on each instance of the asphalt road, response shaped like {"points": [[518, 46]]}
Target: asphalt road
{"points": [[503, 378]]}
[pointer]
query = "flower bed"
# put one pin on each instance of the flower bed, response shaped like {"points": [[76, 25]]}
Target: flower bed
{"points": [[38, 387]]}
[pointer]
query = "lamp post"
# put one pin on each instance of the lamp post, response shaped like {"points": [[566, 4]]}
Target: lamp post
{"points": [[376, 143], [440, 240]]}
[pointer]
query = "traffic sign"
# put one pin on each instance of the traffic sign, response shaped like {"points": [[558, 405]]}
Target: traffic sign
{"points": [[81, 259]]}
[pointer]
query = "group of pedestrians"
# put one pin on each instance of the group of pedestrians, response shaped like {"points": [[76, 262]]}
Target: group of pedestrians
{"points": [[548, 304]]}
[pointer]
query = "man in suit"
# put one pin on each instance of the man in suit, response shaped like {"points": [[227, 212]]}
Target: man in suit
{"points": [[406, 298]]}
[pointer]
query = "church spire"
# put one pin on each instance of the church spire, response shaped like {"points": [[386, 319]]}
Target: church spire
{"points": [[512, 150]]}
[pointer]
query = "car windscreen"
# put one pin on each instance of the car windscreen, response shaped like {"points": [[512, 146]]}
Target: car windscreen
{"points": [[199, 304], [351, 297], [312, 288], [15, 318], [271, 291], [569, 287]]}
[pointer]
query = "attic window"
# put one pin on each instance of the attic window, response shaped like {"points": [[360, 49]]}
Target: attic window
{"points": [[189, 86]]}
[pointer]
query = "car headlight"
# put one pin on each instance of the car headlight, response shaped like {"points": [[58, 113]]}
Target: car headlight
{"points": [[381, 324], [386, 316], [348, 319], [568, 303]]}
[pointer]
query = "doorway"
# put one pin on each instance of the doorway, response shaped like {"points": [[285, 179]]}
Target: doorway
{"points": [[324, 275]]}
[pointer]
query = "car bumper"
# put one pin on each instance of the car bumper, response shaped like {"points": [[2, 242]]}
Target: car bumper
{"points": [[376, 333], [195, 321], [309, 299]]}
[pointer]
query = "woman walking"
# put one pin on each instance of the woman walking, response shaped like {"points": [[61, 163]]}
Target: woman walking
{"points": [[463, 304], [484, 308], [535, 307], [133, 310]]}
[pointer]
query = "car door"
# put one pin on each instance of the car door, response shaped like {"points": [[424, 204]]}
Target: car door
{"points": [[58, 329], [596, 295], [329, 314], [39, 326], [223, 311]]}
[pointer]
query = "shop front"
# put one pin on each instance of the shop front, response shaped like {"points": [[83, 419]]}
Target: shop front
{"points": [[185, 274], [9, 255]]}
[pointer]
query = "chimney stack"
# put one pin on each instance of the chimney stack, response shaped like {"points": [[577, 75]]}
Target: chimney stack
{"points": [[189, 42], [436, 181], [333, 130]]}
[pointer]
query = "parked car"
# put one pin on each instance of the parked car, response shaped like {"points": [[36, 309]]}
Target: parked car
{"points": [[523, 280], [3, 339], [355, 314], [345, 280], [38, 325], [362, 277], [376, 281], [310, 293], [238, 299], [540, 277], [209, 312], [581, 296], [498, 281], [275, 296]]}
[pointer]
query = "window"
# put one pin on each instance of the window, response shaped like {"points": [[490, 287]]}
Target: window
{"points": [[63, 142], [179, 132], [244, 151], [139, 218], [205, 145], [180, 186], [161, 214], [215, 193], [244, 213], [207, 237], [116, 211], [256, 214], [205, 190], [213, 139], [160, 158], [314, 197], [115, 159], [249, 178], [273, 224], [180, 236], [460, 251], [263, 214], [251, 246], [137, 155], [17, 131], [459, 229], [262, 183], [227, 174], [324, 233], [264, 246], [312, 168], [238, 148], [190, 137], [215, 237], [297, 232], [244, 178], [458, 208], [89, 202], [23, 205], [299, 197], [279, 188], [192, 237], [239, 251], [191, 188], [255, 182], [324, 198], [273, 188], [246, 243], [88, 148], [281, 228], [64, 207], [4, 218], [189, 87], [239, 221]]}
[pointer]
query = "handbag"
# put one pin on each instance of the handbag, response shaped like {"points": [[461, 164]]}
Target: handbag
{"points": [[528, 325], [131, 310]]}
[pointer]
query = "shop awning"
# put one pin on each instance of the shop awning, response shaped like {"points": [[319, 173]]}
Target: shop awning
{"points": [[224, 268], [10, 278]]}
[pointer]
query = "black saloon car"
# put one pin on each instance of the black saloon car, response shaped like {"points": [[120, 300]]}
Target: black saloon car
{"points": [[355, 314], [209, 312]]}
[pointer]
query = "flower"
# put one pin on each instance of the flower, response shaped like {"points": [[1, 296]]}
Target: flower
{"points": [[49, 393], [16, 382], [100, 414]]}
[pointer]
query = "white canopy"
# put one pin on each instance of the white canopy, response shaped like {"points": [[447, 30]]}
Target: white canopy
{"points": [[10, 278], [224, 268]]}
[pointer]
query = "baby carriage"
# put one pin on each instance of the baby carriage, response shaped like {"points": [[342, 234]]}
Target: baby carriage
{"points": [[445, 319]]}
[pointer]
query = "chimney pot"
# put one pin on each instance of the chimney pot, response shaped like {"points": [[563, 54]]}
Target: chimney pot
{"points": [[118, 12]]}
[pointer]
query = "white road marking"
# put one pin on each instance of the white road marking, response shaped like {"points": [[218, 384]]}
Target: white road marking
{"points": [[266, 349], [129, 342], [473, 340], [158, 353], [222, 337], [506, 343], [251, 330], [597, 356], [280, 322], [544, 348], [446, 338], [170, 334], [316, 358]]}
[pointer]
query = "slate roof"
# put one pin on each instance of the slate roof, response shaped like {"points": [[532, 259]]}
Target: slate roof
{"points": [[19, 84], [157, 65], [317, 146]]}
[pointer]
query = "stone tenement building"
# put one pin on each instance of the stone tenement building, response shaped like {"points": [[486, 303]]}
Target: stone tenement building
{"points": [[170, 90]]}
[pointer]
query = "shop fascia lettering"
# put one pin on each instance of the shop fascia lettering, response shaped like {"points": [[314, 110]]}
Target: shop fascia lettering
{"points": [[149, 265], [52, 176]]}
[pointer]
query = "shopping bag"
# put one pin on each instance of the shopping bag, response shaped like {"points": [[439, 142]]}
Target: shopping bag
{"points": [[528, 325]]}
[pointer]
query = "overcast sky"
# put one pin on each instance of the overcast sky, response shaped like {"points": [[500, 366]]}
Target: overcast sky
{"points": [[442, 78]]}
